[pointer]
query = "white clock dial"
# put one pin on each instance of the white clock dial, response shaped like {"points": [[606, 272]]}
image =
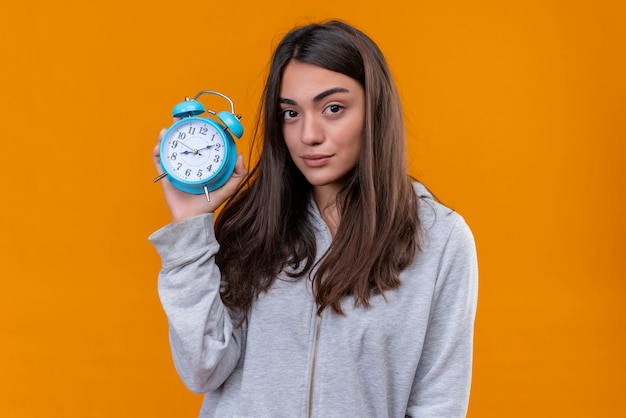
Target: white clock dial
{"points": [[193, 150]]}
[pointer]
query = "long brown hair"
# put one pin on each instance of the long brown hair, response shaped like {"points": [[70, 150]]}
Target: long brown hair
{"points": [[265, 228]]}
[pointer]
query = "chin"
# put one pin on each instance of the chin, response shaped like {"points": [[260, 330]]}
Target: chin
{"points": [[322, 177], [326, 181]]}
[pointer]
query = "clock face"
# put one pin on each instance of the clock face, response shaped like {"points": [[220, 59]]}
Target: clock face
{"points": [[193, 150]]}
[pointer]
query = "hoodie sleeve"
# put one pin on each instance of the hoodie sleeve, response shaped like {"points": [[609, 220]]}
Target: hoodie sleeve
{"points": [[442, 382], [205, 345]]}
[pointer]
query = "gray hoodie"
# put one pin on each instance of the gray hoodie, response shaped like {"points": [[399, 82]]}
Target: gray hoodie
{"points": [[408, 354]]}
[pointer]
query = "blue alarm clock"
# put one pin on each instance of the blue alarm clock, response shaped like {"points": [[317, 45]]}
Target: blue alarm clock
{"points": [[198, 154]]}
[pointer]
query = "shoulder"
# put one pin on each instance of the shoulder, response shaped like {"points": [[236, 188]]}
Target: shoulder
{"points": [[447, 250], [439, 222]]}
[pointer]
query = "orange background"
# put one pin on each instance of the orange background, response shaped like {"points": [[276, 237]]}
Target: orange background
{"points": [[516, 119]]}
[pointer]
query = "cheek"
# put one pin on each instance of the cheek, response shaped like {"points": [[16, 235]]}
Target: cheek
{"points": [[356, 152], [289, 139], [353, 141]]}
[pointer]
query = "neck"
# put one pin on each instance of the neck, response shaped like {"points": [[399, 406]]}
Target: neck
{"points": [[326, 201]]}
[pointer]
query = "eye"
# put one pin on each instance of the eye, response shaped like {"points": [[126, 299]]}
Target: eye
{"points": [[334, 108], [289, 114]]}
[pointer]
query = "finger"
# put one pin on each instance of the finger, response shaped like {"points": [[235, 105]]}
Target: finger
{"points": [[156, 151], [161, 133], [236, 178], [240, 168]]}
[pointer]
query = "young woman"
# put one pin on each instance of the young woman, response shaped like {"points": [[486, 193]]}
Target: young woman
{"points": [[331, 284]]}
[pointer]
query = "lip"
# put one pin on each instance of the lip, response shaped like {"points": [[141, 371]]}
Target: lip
{"points": [[315, 160]]}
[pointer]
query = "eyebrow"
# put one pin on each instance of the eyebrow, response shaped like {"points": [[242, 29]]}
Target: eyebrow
{"points": [[318, 97]]}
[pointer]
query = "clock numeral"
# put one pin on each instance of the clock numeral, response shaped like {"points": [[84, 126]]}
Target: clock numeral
{"points": [[181, 135], [192, 130], [204, 130], [216, 159], [199, 173], [218, 146], [188, 172], [174, 144], [179, 166], [173, 156], [210, 168]]}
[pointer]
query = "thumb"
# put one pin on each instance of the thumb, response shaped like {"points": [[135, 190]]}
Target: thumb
{"points": [[230, 187]]}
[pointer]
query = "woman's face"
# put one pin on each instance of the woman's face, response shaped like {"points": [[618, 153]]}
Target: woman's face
{"points": [[323, 116]]}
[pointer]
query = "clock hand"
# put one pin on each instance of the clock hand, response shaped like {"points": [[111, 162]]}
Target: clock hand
{"points": [[184, 145], [195, 152], [208, 147]]}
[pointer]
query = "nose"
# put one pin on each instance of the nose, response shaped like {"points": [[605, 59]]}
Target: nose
{"points": [[312, 132]]}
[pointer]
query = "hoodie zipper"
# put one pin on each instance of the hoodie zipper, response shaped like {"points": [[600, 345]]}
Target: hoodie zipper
{"points": [[318, 321], [315, 344]]}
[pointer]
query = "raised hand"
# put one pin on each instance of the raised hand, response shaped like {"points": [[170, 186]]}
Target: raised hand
{"points": [[183, 205]]}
